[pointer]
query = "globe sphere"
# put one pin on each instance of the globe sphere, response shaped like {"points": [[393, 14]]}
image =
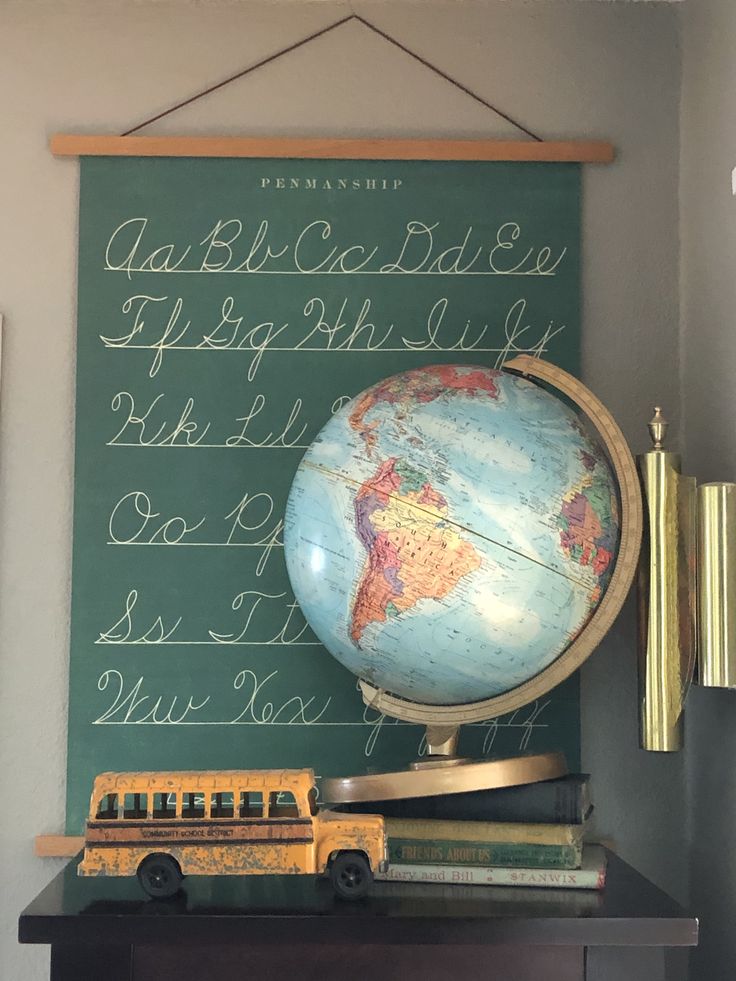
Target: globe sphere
{"points": [[450, 532]]}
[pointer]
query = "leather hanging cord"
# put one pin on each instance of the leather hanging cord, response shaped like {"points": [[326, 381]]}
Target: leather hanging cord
{"points": [[313, 37]]}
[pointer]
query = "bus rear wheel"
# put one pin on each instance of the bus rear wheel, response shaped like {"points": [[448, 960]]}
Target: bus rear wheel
{"points": [[351, 875], [159, 876]]}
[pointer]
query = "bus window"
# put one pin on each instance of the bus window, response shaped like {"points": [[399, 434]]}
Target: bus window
{"points": [[108, 808], [164, 805], [221, 805], [192, 805], [135, 806], [251, 804], [281, 804]]}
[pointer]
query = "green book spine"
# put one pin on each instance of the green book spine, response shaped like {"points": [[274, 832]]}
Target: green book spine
{"points": [[481, 832], [408, 851]]}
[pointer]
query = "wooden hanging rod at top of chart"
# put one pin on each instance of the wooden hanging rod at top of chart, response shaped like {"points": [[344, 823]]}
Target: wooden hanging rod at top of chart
{"points": [[91, 145]]}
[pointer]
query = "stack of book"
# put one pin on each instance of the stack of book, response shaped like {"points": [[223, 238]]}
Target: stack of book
{"points": [[530, 835]]}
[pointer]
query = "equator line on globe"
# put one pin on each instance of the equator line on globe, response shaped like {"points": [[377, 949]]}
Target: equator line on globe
{"points": [[451, 532]]}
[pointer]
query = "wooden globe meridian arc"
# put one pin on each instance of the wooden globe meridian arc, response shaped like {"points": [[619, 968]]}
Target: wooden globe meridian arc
{"points": [[447, 717]]}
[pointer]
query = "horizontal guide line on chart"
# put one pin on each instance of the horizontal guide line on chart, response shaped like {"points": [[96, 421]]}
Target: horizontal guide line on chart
{"points": [[318, 350], [205, 544], [365, 725], [211, 446], [208, 643], [317, 272]]}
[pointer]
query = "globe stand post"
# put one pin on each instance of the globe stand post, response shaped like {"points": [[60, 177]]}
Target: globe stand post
{"points": [[441, 744]]}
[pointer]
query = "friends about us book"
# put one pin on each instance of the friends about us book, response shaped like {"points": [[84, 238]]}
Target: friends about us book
{"points": [[484, 843]]}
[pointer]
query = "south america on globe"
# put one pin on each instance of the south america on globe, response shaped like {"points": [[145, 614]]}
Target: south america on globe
{"points": [[450, 532]]}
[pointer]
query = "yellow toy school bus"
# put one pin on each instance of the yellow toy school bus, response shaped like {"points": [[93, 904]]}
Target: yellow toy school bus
{"points": [[163, 826]]}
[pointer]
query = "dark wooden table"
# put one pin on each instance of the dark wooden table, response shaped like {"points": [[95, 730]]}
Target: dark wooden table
{"points": [[293, 927]]}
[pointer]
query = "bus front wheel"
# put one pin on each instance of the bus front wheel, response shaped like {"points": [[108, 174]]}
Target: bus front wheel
{"points": [[351, 875], [159, 876]]}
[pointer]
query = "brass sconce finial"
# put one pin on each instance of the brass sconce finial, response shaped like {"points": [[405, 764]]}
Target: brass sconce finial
{"points": [[658, 428]]}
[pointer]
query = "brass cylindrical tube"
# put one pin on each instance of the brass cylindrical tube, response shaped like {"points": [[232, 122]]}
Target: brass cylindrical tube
{"points": [[717, 585], [666, 594]]}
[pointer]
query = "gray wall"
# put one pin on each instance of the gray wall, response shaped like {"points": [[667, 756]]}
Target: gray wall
{"points": [[709, 394], [566, 69]]}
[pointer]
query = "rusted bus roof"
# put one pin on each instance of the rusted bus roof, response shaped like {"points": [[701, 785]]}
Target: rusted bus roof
{"points": [[193, 780]]}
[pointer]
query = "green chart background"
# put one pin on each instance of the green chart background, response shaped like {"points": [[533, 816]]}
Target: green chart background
{"points": [[253, 701]]}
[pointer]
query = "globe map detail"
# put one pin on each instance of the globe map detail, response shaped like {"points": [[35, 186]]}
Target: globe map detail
{"points": [[397, 515], [450, 532]]}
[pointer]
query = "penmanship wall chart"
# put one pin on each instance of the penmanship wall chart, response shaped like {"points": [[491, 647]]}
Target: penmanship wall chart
{"points": [[226, 308]]}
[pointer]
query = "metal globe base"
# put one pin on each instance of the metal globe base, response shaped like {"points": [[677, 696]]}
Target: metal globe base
{"points": [[430, 781]]}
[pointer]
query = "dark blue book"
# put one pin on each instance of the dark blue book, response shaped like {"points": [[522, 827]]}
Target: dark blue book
{"points": [[565, 800]]}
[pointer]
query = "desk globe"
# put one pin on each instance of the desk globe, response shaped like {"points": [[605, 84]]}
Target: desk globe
{"points": [[453, 531]]}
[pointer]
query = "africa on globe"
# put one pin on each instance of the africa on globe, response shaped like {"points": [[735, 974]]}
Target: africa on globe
{"points": [[450, 532]]}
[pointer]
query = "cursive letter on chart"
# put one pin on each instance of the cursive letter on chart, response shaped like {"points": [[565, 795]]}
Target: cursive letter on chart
{"points": [[261, 709], [130, 523], [130, 706], [122, 632]]}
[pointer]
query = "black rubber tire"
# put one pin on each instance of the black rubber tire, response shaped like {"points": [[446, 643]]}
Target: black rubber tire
{"points": [[351, 875], [160, 876]]}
